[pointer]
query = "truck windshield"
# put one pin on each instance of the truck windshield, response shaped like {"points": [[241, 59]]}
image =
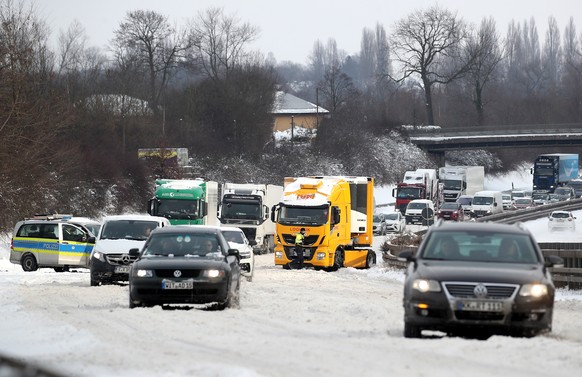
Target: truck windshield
{"points": [[542, 170], [178, 209], [246, 210], [408, 192], [450, 184], [303, 215]]}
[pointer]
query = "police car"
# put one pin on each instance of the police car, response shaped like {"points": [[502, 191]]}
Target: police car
{"points": [[51, 241]]}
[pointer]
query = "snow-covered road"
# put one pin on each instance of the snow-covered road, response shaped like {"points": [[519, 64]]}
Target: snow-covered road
{"points": [[291, 323]]}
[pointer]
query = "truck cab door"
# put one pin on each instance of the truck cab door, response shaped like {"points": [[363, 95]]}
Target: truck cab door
{"points": [[153, 205]]}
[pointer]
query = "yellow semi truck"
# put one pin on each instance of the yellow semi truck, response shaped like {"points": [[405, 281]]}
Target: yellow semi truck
{"points": [[337, 214]]}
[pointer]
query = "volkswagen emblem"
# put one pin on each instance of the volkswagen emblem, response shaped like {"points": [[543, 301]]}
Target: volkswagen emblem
{"points": [[480, 291], [177, 273], [125, 259]]}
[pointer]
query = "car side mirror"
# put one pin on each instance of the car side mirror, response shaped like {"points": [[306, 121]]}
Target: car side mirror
{"points": [[91, 239], [134, 252], [252, 242], [407, 256], [554, 261], [233, 252]]}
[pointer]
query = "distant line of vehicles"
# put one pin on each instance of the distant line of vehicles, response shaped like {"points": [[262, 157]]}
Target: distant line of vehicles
{"points": [[457, 192]]}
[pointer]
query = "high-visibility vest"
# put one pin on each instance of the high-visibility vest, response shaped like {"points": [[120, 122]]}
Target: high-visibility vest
{"points": [[299, 239]]}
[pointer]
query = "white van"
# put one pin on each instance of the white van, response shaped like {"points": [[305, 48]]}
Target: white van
{"points": [[110, 261], [487, 203]]}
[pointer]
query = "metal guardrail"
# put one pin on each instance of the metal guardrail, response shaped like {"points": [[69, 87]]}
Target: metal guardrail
{"points": [[533, 213], [501, 130]]}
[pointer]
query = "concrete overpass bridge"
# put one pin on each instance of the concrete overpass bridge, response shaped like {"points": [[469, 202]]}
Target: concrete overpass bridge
{"points": [[437, 141]]}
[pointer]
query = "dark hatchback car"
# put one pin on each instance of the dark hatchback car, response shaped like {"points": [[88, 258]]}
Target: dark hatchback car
{"points": [[451, 211], [185, 265], [478, 279]]}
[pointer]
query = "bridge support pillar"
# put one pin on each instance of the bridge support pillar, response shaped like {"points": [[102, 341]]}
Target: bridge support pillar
{"points": [[438, 157]]}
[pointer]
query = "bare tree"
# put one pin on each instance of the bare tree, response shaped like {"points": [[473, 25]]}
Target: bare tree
{"points": [[324, 58], [78, 67], [552, 55], [337, 89], [146, 41], [532, 54], [218, 42], [367, 54], [71, 47], [33, 115], [423, 42], [484, 50], [572, 76], [374, 55]]}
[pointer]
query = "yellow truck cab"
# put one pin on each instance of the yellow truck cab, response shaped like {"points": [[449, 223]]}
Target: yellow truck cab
{"points": [[337, 214]]}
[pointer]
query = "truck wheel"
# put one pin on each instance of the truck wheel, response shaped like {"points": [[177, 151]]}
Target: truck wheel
{"points": [[338, 260], [370, 259]]}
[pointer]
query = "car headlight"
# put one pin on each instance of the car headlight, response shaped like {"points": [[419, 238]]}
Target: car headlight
{"points": [[99, 256], [423, 285], [533, 290], [278, 255], [213, 274], [143, 273], [320, 256]]}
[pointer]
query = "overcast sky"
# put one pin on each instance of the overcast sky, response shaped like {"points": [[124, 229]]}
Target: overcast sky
{"points": [[289, 29]]}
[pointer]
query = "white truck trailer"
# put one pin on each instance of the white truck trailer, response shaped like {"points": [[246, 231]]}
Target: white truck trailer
{"points": [[461, 180], [247, 206]]}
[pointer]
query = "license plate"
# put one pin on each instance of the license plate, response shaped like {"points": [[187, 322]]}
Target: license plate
{"points": [[480, 306], [122, 269], [170, 284]]}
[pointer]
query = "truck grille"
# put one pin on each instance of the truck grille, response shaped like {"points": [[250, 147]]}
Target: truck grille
{"points": [[308, 240], [290, 252]]}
